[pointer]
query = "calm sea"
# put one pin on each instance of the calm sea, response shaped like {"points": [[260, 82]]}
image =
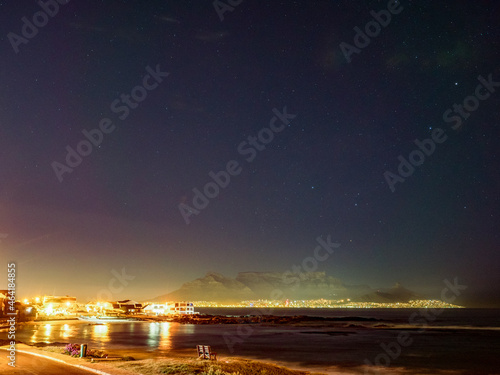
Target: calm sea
{"points": [[465, 341]]}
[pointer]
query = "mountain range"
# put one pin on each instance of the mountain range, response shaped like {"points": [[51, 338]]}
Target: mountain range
{"points": [[275, 285]]}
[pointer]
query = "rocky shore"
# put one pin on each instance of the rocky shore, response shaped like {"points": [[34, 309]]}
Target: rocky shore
{"points": [[254, 319]]}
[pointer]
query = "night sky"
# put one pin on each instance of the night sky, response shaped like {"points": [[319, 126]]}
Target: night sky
{"points": [[321, 171]]}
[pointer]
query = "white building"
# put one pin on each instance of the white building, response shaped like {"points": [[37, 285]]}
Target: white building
{"points": [[169, 308], [184, 308]]}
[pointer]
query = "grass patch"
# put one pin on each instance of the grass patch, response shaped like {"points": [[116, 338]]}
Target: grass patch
{"points": [[162, 366], [179, 368], [186, 366], [196, 367]]}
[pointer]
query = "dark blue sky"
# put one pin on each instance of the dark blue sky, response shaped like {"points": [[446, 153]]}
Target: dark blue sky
{"points": [[321, 174]]}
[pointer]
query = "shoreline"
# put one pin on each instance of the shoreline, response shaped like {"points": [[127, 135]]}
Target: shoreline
{"points": [[255, 319], [133, 361], [140, 354], [321, 361], [138, 361]]}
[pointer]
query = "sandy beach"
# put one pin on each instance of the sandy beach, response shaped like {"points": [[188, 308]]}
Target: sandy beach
{"points": [[137, 361], [134, 361]]}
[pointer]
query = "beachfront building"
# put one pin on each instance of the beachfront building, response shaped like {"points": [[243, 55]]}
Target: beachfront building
{"points": [[155, 308], [184, 308], [57, 306], [128, 306], [169, 308], [99, 308]]}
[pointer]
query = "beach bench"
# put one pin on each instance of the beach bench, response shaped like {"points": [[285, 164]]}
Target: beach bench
{"points": [[205, 352]]}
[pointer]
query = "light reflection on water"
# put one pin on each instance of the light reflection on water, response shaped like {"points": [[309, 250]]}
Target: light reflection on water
{"points": [[166, 339], [66, 331], [159, 336], [51, 332], [100, 332], [151, 335], [48, 329]]}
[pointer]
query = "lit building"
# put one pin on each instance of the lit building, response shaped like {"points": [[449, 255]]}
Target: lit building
{"points": [[100, 308], [58, 305], [128, 306], [184, 308], [169, 308], [158, 309]]}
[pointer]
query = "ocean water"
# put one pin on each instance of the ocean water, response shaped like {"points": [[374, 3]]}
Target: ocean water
{"points": [[462, 341]]}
